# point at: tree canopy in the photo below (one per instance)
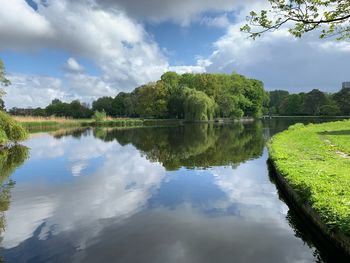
(312, 103)
(302, 16)
(195, 97)
(202, 145)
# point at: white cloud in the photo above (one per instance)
(21, 25)
(221, 21)
(31, 90)
(332, 46)
(108, 34)
(118, 188)
(115, 43)
(73, 65)
(280, 60)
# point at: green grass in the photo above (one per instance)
(38, 125)
(118, 123)
(314, 161)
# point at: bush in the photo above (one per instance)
(99, 116)
(10, 129)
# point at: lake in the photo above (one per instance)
(192, 193)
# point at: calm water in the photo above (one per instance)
(195, 193)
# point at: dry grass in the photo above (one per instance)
(60, 119)
(41, 119)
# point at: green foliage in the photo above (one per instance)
(276, 99)
(330, 109)
(3, 80)
(291, 105)
(120, 123)
(10, 159)
(193, 145)
(104, 104)
(303, 16)
(313, 103)
(11, 130)
(314, 161)
(343, 100)
(233, 95)
(152, 100)
(62, 109)
(220, 96)
(198, 106)
(99, 116)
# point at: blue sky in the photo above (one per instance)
(85, 49)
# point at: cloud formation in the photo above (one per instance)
(182, 12)
(111, 35)
(117, 44)
(73, 66)
(118, 188)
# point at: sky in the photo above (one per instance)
(85, 49)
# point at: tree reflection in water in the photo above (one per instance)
(10, 159)
(193, 146)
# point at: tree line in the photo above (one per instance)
(194, 97)
(313, 103)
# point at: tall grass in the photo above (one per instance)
(35, 123)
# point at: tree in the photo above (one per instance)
(3, 82)
(342, 99)
(171, 80)
(254, 92)
(104, 104)
(291, 105)
(314, 100)
(198, 106)
(99, 116)
(330, 109)
(229, 107)
(39, 112)
(303, 16)
(118, 104)
(77, 110)
(2, 104)
(276, 98)
(151, 100)
(58, 108)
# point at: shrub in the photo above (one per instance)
(13, 130)
(99, 116)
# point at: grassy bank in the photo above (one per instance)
(315, 161)
(35, 123)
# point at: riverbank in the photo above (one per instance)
(38, 123)
(312, 165)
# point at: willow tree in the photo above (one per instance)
(10, 129)
(301, 16)
(198, 106)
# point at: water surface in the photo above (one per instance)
(193, 193)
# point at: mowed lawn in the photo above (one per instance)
(315, 161)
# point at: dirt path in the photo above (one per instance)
(340, 153)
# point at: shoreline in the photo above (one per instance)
(313, 176)
(335, 240)
(129, 122)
